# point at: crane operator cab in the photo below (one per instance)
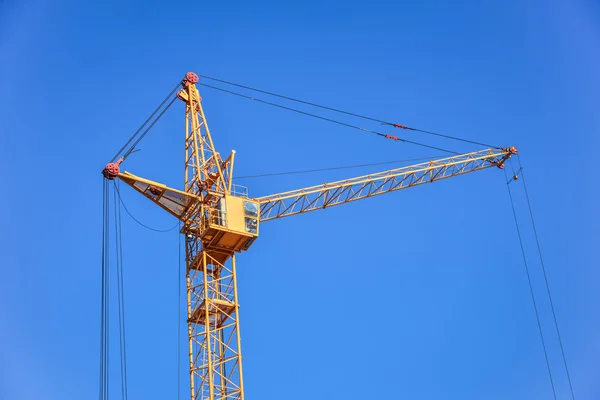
(232, 224)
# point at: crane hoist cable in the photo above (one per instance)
(179, 280)
(104, 310)
(328, 119)
(545, 278)
(516, 174)
(395, 125)
(332, 168)
(120, 293)
(535, 308)
(105, 318)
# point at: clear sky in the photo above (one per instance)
(419, 294)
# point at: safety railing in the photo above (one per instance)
(239, 191)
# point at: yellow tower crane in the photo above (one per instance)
(219, 219)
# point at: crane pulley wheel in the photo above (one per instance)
(191, 77)
(112, 170)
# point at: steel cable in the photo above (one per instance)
(546, 280)
(347, 113)
(179, 314)
(145, 122)
(136, 220)
(537, 315)
(103, 253)
(331, 168)
(325, 119)
(132, 148)
(104, 308)
(120, 294)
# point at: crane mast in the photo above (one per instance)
(212, 299)
(219, 220)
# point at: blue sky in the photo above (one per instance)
(419, 294)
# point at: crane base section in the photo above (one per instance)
(213, 324)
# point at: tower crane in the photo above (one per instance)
(220, 220)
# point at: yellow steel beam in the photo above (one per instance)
(335, 193)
